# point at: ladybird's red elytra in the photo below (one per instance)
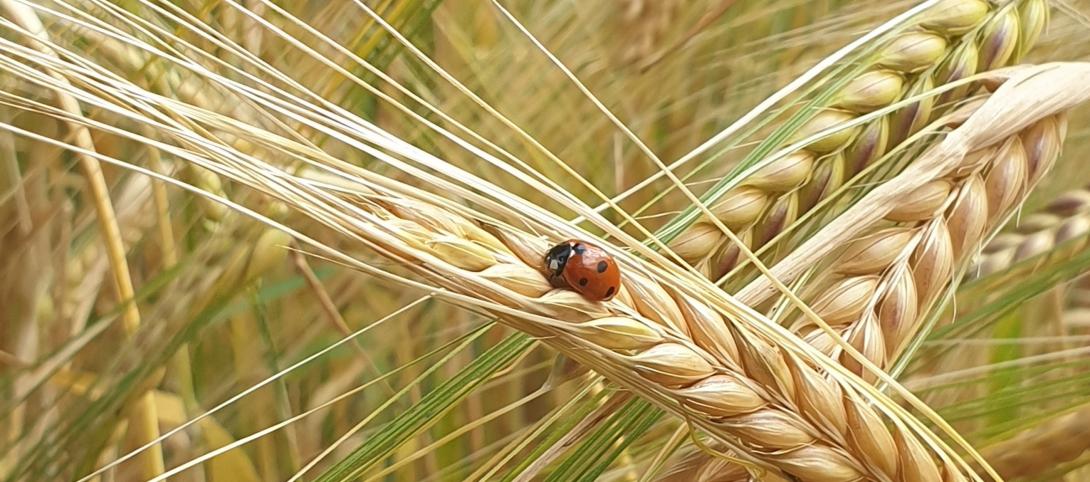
(584, 268)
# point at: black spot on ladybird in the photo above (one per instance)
(602, 265)
(582, 281)
(609, 292)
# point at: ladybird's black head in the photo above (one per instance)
(556, 259)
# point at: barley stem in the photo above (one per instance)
(143, 421)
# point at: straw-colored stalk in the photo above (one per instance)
(1063, 223)
(143, 421)
(885, 281)
(158, 77)
(954, 40)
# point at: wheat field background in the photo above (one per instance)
(257, 240)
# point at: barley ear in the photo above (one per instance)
(951, 41)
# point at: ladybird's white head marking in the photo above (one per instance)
(556, 258)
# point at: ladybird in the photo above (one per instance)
(585, 268)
